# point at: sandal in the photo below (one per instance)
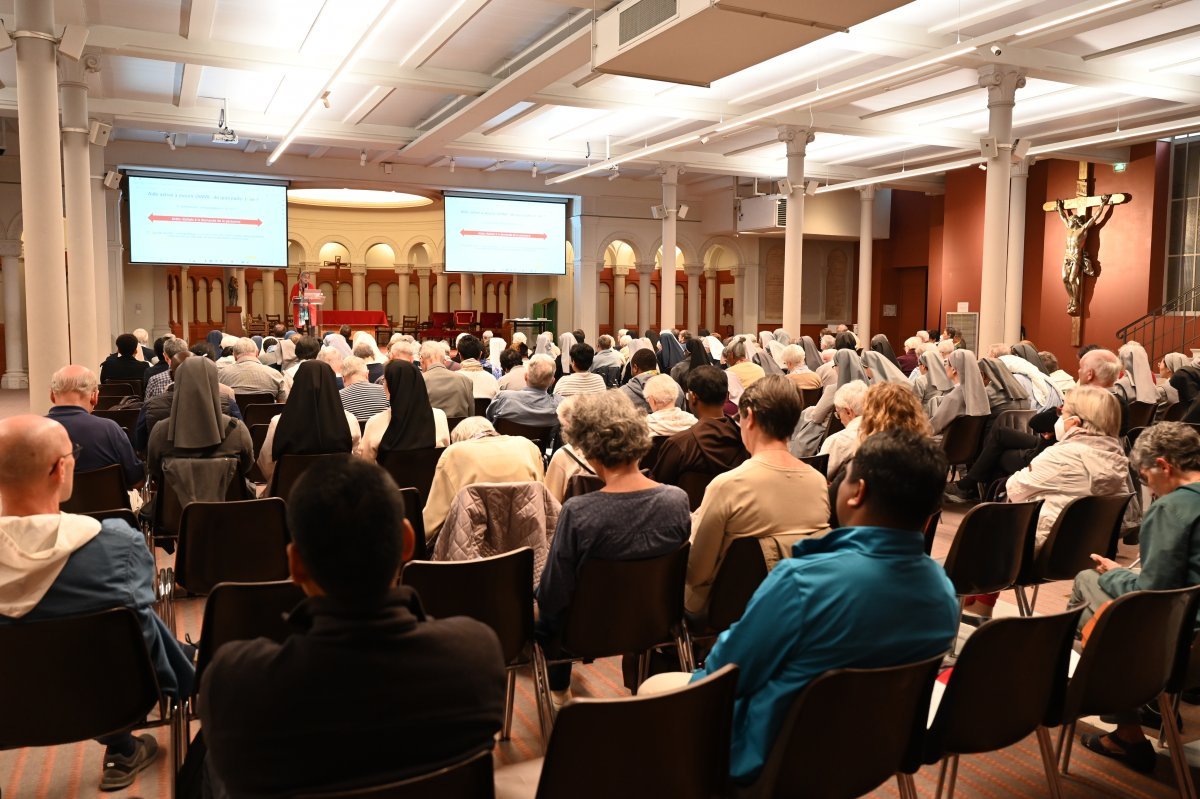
(1139, 756)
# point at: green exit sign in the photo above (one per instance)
(1119, 166)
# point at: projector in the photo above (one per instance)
(225, 136)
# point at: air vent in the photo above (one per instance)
(781, 213)
(644, 15)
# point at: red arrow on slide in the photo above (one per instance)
(212, 220)
(511, 234)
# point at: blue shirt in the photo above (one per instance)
(103, 441)
(860, 597)
(530, 406)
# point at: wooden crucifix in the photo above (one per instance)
(336, 263)
(1079, 221)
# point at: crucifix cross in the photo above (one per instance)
(1079, 220)
(336, 263)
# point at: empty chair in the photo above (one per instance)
(872, 724)
(1007, 683)
(1141, 414)
(674, 743)
(1086, 525)
(249, 398)
(262, 413)
(693, 484)
(542, 436)
(497, 591)
(413, 468)
(742, 570)
(96, 490)
(240, 542)
(289, 468)
(468, 779)
(962, 439)
(241, 611)
(986, 555)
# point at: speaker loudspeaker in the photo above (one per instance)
(72, 42)
(112, 180)
(988, 147)
(99, 132)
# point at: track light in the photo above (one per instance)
(325, 99)
(616, 173)
(451, 166)
(362, 158)
(170, 141)
(533, 171)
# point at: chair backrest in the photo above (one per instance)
(694, 484)
(1014, 420)
(453, 422)
(491, 319)
(98, 489)
(124, 514)
(232, 542)
(1011, 672)
(412, 468)
(120, 388)
(472, 778)
(71, 679)
(930, 532)
(258, 437)
(244, 401)
(818, 462)
(986, 554)
(289, 468)
(895, 699)
(622, 606)
(110, 402)
(651, 455)
(464, 318)
(168, 507)
(497, 591)
(542, 436)
(582, 483)
(125, 417)
(1141, 414)
(811, 396)
(611, 375)
(261, 413)
(670, 744)
(1086, 525)
(242, 611)
(440, 318)
(742, 570)
(962, 439)
(481, 405)
(414, 505)
(1175, 412)
(1131, 652)
(1131, 437)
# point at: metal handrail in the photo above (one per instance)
(1167, 326)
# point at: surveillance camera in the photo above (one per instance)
(995, 49)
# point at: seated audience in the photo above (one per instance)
(409, 422)
(931, 381)
(881, 369)
(73, 395)
(1167, 457)
(159, 408)
(665, 418)
(967, 398)
(696, 356)
(144, 351)
(733, 505)
(531, 405)
(632, 517)
(809, 615)
(670, 351)
(712, 445)
(606, 355)
(1182, 375)
(848, 405)
(907, 361)
(740, 365)
(249, 376)
(512, 370)
(483, 381)
(1136, 383)
(123, 364)
(158, 384)
(881, 345)
(452, 392)
(1060, 379)
(795, 361)
(368, 690)
(332, 358)
(312, 423)
(1044, 393)
(478, 454)
(566, 461)
(360, 397)
(846, 366)
(643, 365)
(581, 379)
(306, 348)
(159, 364)
(1004, 391)
(56, 564)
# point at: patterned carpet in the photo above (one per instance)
(68, 772)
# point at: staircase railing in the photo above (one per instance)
(1173, 327)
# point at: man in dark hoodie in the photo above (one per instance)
(643, 365)
(711, 446)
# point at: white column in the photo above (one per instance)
(586, 290)
(358, 287)
(618, 317)
(1014, 281)
(797, 140)
(116, 265)
(693, 295)
(77, 191)
(41, 196)
(1002, 83)
(478, 299)
(667, 266)
(502, 299)
(866, 232)
(423, 307)
(268, 301)
(710, 300)
(15, 372)
(465, 294)
(402, 273)
(99, 234)
(739, 299)
(160, 307)
(645, 273)
(441, 289)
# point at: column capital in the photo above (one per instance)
(737, 271)
(422, 270)
(620, 270)
(91, 62)
(646, 268)
(693, 269)
(796, 138)
(10, 247)
(669, 172)
(1002, 82)
(437, 269)
(866, 193)
(403, 269)
(1020, 168)
(710, 273)
(358, 269)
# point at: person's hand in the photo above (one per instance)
(1104, 564)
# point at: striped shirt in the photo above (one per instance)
(580, 383)
(364, 399)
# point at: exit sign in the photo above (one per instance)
(1119, 166)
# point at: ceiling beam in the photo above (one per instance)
(1143, 44)
(1118, 75)
(440, 36)
(189, 86)
(196, 19)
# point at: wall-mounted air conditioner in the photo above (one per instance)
(764, 214)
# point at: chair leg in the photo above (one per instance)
(1032, 602)
(177, 731)
(1048, 762)
(953, 776)
(942, 777)
(506, 728)
(904, 782)
(1022, 604)
(1183, 772)
(541, 679)
(1066, 739)
(687, 660)
(643, 670)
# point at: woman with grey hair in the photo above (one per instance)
(631, 518)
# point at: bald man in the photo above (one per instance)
(56, 564)
(1101, 368)
(74, 391)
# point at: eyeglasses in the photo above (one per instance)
(74, 453)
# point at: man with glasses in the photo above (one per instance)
(1167, 458)
(74, 390)
(56, 564)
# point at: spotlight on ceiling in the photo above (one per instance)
(616, 173)
(170, 141)
(533, 171)
(362, 158)
(325, 99)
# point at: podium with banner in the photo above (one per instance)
(306, 309)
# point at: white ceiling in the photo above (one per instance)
(509, 81)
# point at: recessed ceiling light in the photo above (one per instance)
(356, 198)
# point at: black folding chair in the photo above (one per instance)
(471, 778)
(96, 490)
(261, 413)
(289, 468)
(481, 404)
(231, 542)
(412, 468)
(742, 570)
(962, 440)
(694, 485)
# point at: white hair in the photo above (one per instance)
(923, 335)
(141, 335)
(353, 366)
(851, 397)
(472, 427)
(911, 343)
(792, 355)
(827, 355)
(243, 346)
(432, 351)
(946, 346)
(81, 380)
(827, 342)
(662, 389)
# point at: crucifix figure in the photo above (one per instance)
(336, 263)
(1079, 221)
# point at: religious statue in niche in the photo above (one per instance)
(233, 291)
(1079, 220)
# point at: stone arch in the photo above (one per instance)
(374, 240)
(620, 253)
(625, 236)
(712, 249)
(15, 227)
(683, 245)
(304, 244)
(423, 244)
(335, 238)
(379, 255)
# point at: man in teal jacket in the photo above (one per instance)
(1167, 456)
(863, 596)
